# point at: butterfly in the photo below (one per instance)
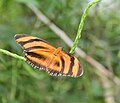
(41, 54)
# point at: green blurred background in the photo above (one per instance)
(19, 83)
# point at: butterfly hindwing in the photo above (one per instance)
(45, 60)
(38, 58)
(70, 65)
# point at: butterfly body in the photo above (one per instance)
(41, 54)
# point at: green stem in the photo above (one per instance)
(13, 82)
(81, 25)
(11, 54)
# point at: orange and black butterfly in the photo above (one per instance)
(40, 54)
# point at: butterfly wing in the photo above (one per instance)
(54, 66)
(38, 58)
(29, 43)
(65, 64)
(70, 65)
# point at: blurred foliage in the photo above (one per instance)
(19, 83)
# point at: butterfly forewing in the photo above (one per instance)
(29, 42)
(39, 53)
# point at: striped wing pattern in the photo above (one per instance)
(40, 54)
